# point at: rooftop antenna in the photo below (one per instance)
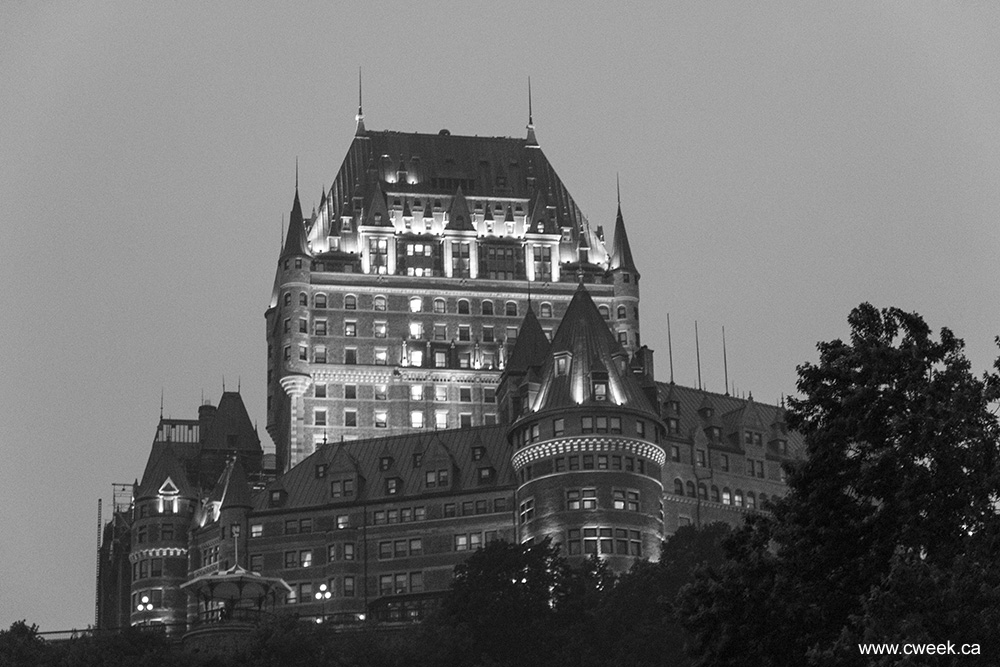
(697, 352)
(618, 185)
(725, 364)
(161, 402)
(223, 383)
(239, 381)
(296, 173)
(361, 114)
(281, 239)
(529, 295)
(203, 396)
(530, 140)
(670, 350)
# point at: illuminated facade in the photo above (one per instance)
(396, 303)
(454, 356)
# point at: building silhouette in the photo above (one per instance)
(454, 356)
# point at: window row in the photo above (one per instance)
(147, 567)
(474, 541)
(588, 425)
(604, 541)
(417, 304)
(417, 392)
(754, 468)
(303, 592)
(389, 549)
(473, 507)
(166, 533)
(400, 515)
(380, 419)
(724, 496)
(586, 499)
(575, 462)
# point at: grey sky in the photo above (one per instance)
(780, 163)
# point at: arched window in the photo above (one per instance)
(738, 498)
(715, 494)
(350, 302)
(288, 298)
(416, 304)
(545, 310)
(678, 487)
(303, 299)
(463, 307)
(510, 308)
(690, 489)
(320, 301)
(622, 312)
(751, 500)
(727, 498)
(487, 307)
(605, 312)
(439, 305)
(702, 491)
(379, 303)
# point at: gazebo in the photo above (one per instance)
(229, 604)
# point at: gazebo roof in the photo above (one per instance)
(235, 584)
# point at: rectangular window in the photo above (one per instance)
(291, 559)
(305, 558)
(349, 586)
(381, 419)
(381, 356)
(527, 510)
(350, 356)
(256, 563)
(350, 391)
(416, 419)
(350, 418)
(349, 551)
(350, 328)
(343, 521)
(488, 335)
(257, 530)
(320, 326)
(417, 392)
(587, 425)
(381, 392)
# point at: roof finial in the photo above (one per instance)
(618, 187)
(531, 120)
(239, 380)
(670, 350)
(223, 383)
(697, 352)
(296, 174)
(161, 402)
(531, 140)
(360, 118)
(725, 364)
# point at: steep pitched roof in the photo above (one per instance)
(459, 219)
(377, 214)
(163, 465)
(295, 239)
(621, 252)
(231, 428)
(591, 354)
(236, 489)
(452, 449)
(532, 346)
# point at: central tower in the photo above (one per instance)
(396, 303)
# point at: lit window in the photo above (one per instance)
(381, 391)
(441, 419)
(381, 419)
(416, 304)
(305, 558)
(416, 358)
(380, 329)
(381, 356)
(379, 303)
(350, 329)
(416, 419)
(439, 305)
(416, 330)
(527, 510)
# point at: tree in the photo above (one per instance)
(900, 481)
(22, 645)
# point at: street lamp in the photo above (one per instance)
(146, 606)
(323, 594)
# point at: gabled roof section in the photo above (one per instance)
(592, 356)
(377, 214)
(459, 219)
(163, 465)
(532, 346)
(231, 428)
(295, 239)
(451, 449)
(621, 252)
(236, 488)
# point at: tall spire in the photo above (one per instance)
(621, 251)
(360, 118)
(295, 240)
(531, 141)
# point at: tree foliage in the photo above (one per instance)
(900, 484)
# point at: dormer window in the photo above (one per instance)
(562, 364)
(385, 463)
(277, 498)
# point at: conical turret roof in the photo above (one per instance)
(532, 346)
(236, 488)
(591, 356)
(621, 252)
(458, 215)
(164, 465)
(295, 239)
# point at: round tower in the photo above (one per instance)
(586, 448)
(625, 278)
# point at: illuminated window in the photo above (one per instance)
(381, 392)
(381, 419)
(350, 328)
(416, 304)
(416, 358)
(416, 330)
(381, 356)
(417, 392)
(380, 329)
(416, 419)
(440, 393)
(439, 305)
(379, 303)
(441, 419)
(727, 497)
